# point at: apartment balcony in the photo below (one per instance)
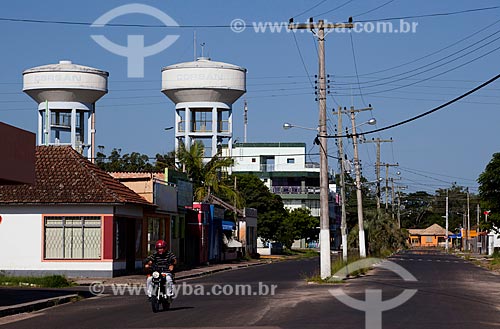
(295, 190)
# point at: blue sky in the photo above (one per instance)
(400, 74)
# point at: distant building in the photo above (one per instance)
(286, 171)
(433, 236)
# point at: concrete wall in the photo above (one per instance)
(247, 158)
(21, 251)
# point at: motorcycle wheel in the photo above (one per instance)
(155, 305)
(166, 304)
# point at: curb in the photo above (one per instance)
(37, 305)
(178, 277)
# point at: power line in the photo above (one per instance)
(434, 62)
(190, 26)
(430, 15)
(309, 9)
(356, 69)
(302, 60)
(428, 55)
(372, 10)
(425, 113)
(431, 77)
(338, 7)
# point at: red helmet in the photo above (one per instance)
(161, 246)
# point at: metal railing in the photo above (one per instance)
(295, 189)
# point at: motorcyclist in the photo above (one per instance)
(163, 261)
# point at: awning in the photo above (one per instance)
(228, 225)
(234, 244)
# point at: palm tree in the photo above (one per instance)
(206, 177)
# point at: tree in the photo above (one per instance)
(207, 177)
(270, 209)
(489, 191)
(298, 224)
(133, 162)
(417, 207)
(384, 236)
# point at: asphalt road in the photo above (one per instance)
(448, 293)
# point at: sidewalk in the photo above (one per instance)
(140, 279)
(15, 300)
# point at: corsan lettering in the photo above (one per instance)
(57, 78)
(199, 76)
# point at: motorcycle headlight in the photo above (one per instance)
(156, 275)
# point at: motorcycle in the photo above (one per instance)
(162, 291)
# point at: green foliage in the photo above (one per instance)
(51, 281)
(489, 190)
(207, 177)
(384, 236)
(297, 224)
(270, 208)
(133, 162)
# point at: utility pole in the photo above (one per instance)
(359, 196)
(468, 220)
(377, 166)
(324, 236)
(399, 204)
(245, 120)
(446, 220)
(392, 197)
(343, 224)
(387, 165)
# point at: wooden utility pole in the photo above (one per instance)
(377, 166)
(387, 165)
(324, 236)
(359, 196)
(343, 223)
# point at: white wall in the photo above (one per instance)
(243, 158)
(21, 244)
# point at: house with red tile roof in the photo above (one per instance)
(74, 220)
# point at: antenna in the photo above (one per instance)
(245, 116)
(194, 45)
(202, 49)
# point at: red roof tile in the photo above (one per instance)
(62, 175)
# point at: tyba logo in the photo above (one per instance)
(373, 305)
(135, 51)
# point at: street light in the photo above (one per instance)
(287, 126)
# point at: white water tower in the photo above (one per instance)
(66, 94)
(203, 92)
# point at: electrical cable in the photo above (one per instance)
(432, 63)
(456, 99)
(356, 69)
(372, 10)
(428, 55)
(309, 9)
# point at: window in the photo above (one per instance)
(72, 237)
(428, 239)
(290, 160)
(253, 160)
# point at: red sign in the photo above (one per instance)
(487, 212)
